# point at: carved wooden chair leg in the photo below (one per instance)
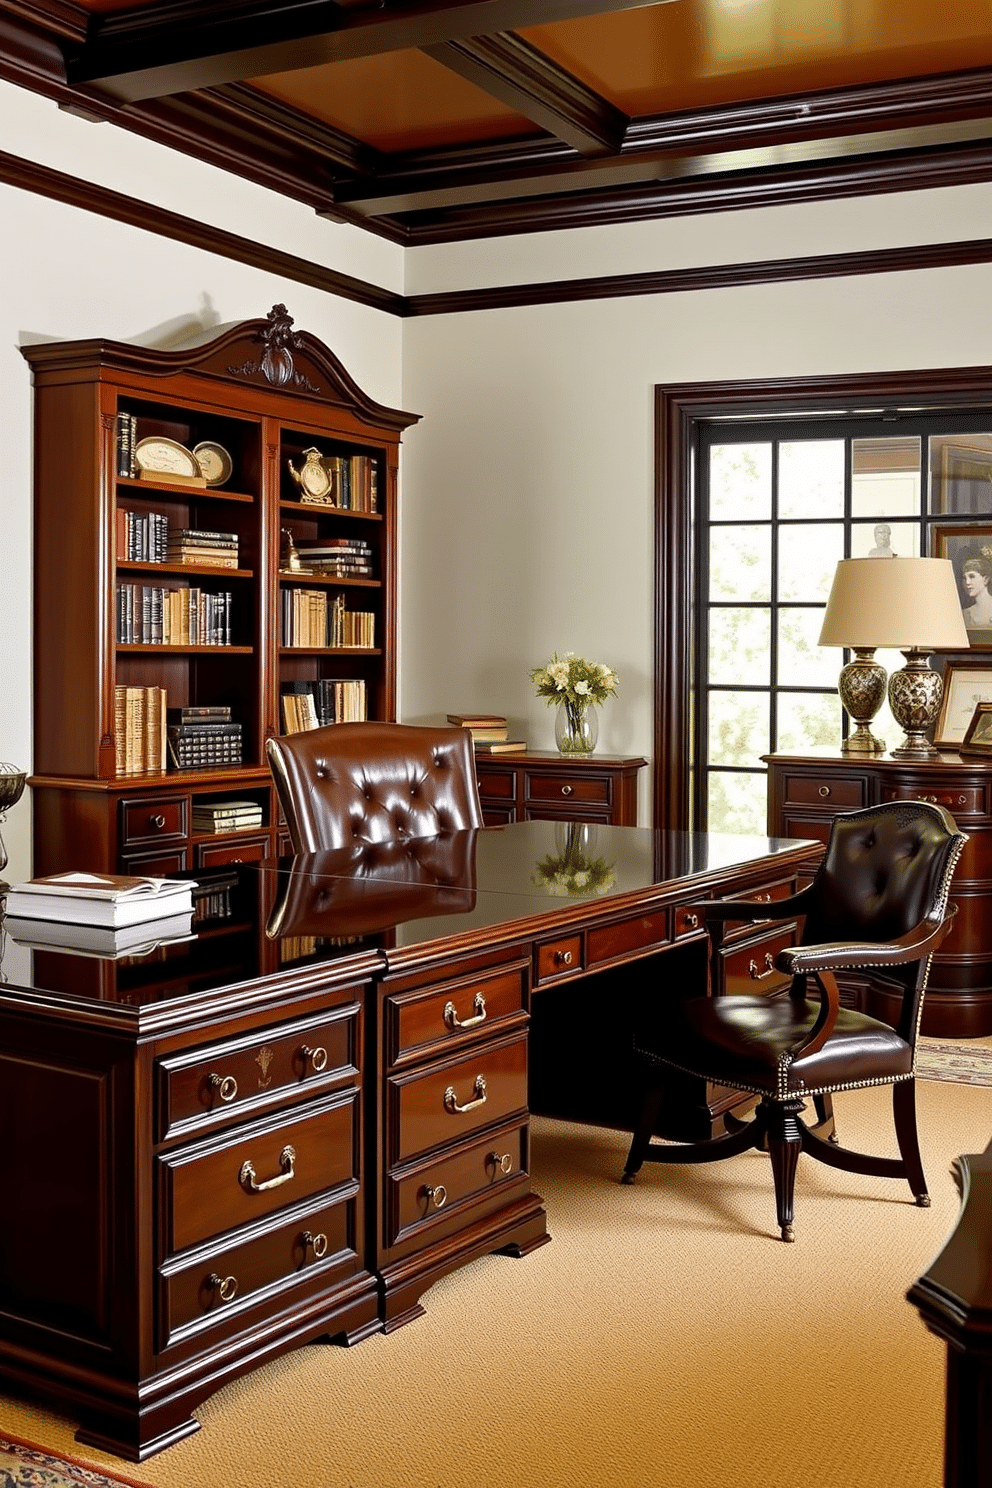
(643, 1132)
(785, 1142)
(904, 1114)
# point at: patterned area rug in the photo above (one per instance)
(968, 1064)
(23, 1465)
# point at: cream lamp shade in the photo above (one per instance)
(911, 604)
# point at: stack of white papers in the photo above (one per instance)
(100, 940)
(99, 899)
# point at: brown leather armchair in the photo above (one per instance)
(878, 904)
(374, 782)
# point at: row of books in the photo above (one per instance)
(185, 616)
(142, 537)
(203, 738)
(140, 725)
(127, 441)
(307, 705)
(490, 733)
(336, 557)
(310, 617)
(354, 482)
(213, 817)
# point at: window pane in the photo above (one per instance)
(802, 661)
(810, 719)
(740, 482)
(738, 727)
(885, 477)
(811, 478)
(740, 645)
(737, 802)
(873, 540)
(961, 473)
(807, 560)
(740, 563)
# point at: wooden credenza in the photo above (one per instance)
(805, 793)
(555, 787)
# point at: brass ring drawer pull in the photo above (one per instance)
(437, 1196)
(566, 790)
(316, 1057)
(317, 1243)
(226, 1086)
(824, 791)
(246, 1177)
(563, 958)
(452, 1019)
(226, 1287)
(451, 1100)
(759, 976)
(690, 922)
(502, 1162)
(157, 821)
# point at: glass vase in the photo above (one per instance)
(576, 728)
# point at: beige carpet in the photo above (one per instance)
(664, 1340)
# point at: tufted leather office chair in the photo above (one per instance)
(374, 782)
(878, 904)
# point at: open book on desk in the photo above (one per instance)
(100, 940)
(100, 898)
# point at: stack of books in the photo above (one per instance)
(337, 557)
(203, 738)
(101, 914)
(490, 734)
(190, 545)
(226, 816)
(140, 730)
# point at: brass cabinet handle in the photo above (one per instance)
(759, 976)
(226, 1086)
(317, 1057)
(691, 921)
(317, 1243)
(438, 1196)
(566, 790)
(824, 791)
(563, 958)
(157, 821)
(452, 1019)
(247, 1179)
(502, 1162)
(226, 1287)
(451, 1100)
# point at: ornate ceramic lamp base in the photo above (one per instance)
(862, 690)
(914, 697)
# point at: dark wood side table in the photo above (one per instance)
(555, 787)
(805, 793)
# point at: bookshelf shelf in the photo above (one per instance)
(226, 391)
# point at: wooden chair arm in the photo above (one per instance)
(714, 911)
(913, 946)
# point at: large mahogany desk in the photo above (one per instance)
(291, 1125)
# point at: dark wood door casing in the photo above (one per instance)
(679, 411)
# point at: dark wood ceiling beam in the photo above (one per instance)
(174, 47)
(509, 68)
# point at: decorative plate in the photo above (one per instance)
(160, 454)
(215, 463)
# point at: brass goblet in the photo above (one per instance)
(11, 787)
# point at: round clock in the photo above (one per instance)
(160, 454)
(313, 477)
(215, 463)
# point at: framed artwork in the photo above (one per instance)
(966, 688)
(965, 477)
(970, 551)
(978, 736)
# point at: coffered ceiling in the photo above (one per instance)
(428, 121)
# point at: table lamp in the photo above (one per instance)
(909, 603)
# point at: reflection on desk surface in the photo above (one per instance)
(349, 908)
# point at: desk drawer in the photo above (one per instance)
(213, 1288)
(831, 791)
(205, 1085)
(447, 1102)
(499, 783)
(568, 788)
(209, 1188)
(458, 1011)
(558, 958)
(434, 1190)
(967, 802)
(751, 968)
(152, 819)
(247, 850)
(641, 933)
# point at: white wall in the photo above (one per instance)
(67, 273)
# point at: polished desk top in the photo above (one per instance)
(348, 913)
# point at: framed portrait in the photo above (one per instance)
(965, 475)
(966, 688)
(970, 551)
(978, 735)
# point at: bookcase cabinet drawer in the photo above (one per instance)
(153, 819)
(832, 792)
(247, 850)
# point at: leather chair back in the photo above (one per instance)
(374, 782)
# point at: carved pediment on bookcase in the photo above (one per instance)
(269, 353)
